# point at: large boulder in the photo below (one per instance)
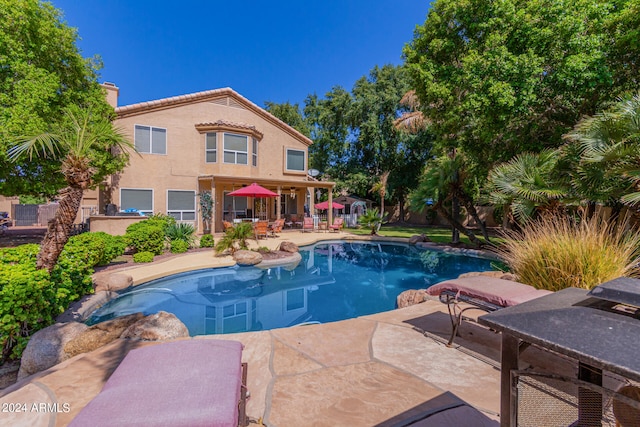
(287, 246)
(243, 257)
(418, 238)
(111, 281)
(411, 297)
(101, 334)
(46, 347)
(157, 327)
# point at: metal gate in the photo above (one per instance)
(25, 215)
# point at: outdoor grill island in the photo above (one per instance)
(598, 330)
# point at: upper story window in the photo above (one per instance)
(211, 148)
(295, 160)
(151, 140)
(255, 152)
(236, 149)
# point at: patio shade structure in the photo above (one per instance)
(325, 205)
(253, 190)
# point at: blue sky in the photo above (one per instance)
(280, 50)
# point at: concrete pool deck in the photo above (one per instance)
(372, 370)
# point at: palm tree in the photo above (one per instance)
(525, 184)
(380, 187)
(89, 148)
(372, 219)
(412, 121)
(609, 145)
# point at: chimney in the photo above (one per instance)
(111, 93)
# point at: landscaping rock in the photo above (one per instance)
(46, 347)
(289, 262)
(411, 297)
(418, 238)
(157, 327)
(80, 310)
(287, 246)
(497, 274)
(101, 334)
(243, 257)
(111, 281)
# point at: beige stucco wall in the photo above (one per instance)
(6, 202)
(184, 161)
(114, 225)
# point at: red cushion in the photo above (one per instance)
(504, 293)
(186, 383)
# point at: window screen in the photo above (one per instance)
(295, 160)
(141, 200)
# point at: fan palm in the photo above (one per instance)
(610, 151)
(380, 187)
(89, 148)
(526, 183)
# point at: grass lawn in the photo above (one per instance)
(436, 234)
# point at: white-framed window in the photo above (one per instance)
(254, 152)
(140, 199)
(295, 160)
(235, 318)
(236, 149)
(181, 204)
(150, 140)
(211, 148)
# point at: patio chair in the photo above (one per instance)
(227, 225)
(480, 293)
(276, 227)
(260, 229)
(337, 224)
(183, 383)
(307, 224)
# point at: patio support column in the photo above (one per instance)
(312, 200)
(279, 202)
(330, 210)
(218, 208)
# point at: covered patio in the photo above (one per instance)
(292, 197)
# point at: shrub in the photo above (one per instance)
(235, 238)
(206, 241)
(179, 247)
(372, 219)
(146, 236)
(143, 257)
(160, 220)
(181, 231)
(556, 252)
(114, 246)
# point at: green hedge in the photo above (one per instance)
(143, 257)
(206, 241)
(146, 236)
(179, 246)
(30, 299)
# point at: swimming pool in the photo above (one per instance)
(335, 280)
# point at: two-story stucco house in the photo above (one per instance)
(214, 141)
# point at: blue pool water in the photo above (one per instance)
(334, 281)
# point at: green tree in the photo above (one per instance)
(527, 183)
(608, 144)
(87, 148)
(499, 78)
(291, 114)
(41, 73)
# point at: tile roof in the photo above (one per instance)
(142, 107)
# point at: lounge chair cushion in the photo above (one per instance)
(184, 383)
(503, 293)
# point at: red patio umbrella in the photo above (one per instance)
(253, 190)
(325, 205)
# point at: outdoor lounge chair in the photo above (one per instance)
(260, 229)
(307, 224)
(480, 293)
(227, 225)
(276, 227)
(186, 383)
(337, 224)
